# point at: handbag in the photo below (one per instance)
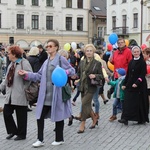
(66, 90)
(32, 90)
(96, 82)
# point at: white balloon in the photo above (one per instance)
(74, 45)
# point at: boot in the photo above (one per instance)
(95, 120)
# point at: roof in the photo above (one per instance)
(98, 8)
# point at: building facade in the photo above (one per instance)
(31, 22)
(129, 19)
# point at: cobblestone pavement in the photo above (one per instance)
(106, 136)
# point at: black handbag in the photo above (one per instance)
(96, 82)
(66, 90)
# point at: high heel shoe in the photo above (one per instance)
(80, 131)
(70, 120)
(93, 126)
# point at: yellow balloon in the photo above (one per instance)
(127, 42)
(67, 47)
(110, 66)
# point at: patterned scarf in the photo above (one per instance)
(10, 75)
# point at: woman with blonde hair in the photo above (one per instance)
(89, 68)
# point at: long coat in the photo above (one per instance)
(59, 109)
(16, 91)
(136, 104)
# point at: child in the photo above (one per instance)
(118, 92)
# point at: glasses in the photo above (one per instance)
(49, 46)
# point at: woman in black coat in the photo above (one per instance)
(136, 104)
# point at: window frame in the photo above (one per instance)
(135, 20)
(0, 20)
(114, 22)
(35, 2)
(20, 2)
(35, 22)
(80, 3)
(20, 21)
(68, 3)
(69, 23)
(49, 22)
(49, 3)
(79, 24)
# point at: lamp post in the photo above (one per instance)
(141, 21)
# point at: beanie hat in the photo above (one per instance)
(121, 71)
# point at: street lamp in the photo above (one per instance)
(141, 21)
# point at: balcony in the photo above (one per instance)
(122, 31)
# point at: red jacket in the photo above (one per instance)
(121, 59)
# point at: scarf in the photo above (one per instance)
(10, 75)
(85, 69)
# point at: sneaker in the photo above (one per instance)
(112, 118)
(57, 143)
(38, 144)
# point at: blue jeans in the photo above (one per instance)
(96, 101)
(117, 103)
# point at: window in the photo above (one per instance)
(124, 20)
(80, 24)
(20, 2)
(100, 31)
(114, 22)
(35, 2)
(68, 23)
(80, 3)
(124, 1)
(35, 21)
(135, 20)
(20, 21)
(49, 3)
(49, 22)
(68, 3)
(113, 1)
(0, 20)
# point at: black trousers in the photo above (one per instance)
(20, 128)
(59, 126)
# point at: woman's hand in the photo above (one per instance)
(22, 72)
(92, 76)
(123, 87)
(134, 85)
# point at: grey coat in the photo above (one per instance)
(16, 91)
(59, 109)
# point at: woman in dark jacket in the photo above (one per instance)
(89, 68)
(136, 104)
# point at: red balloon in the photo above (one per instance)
(109, 47)
(143, 46)
(148, 69)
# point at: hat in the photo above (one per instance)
(121, 71)
(33, 51)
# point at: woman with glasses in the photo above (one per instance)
(50, 104)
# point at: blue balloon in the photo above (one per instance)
(113, 38)
(59, 77)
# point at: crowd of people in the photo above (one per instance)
(129, 82)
